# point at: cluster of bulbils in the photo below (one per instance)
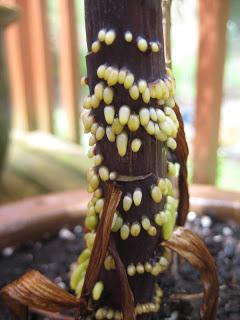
(159, 121)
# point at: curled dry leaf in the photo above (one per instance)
(126, 292)
(113, 196)
(35, 291)
(182, 155)
(192, 248)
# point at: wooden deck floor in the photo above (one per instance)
(38, 163)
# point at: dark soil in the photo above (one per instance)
(53, 255)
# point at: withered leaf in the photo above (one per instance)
(35, 291)
(126, 292)
(182, 155)
(192, 248)
(113, 196)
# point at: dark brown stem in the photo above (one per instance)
(143, 18)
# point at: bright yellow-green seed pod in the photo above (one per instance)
(161, 136)
(146, 224)
(116, 126)
(110, 135)
(140, 268)
(160, 116)
(100, 314)
(150, 128)
(129, 80)
(109, 113)
(98, 90)
(97, 290)
(133, 122)
(94, 182)
(142, 85)
(152, 89)
(87, 122)
(156, 194)
(153, 114)
(163, 262)
(77, 274)
(155, 47)
(110, 37)
(109, 263)
(131, 270)
(160, 218)
(99, 205)
(96, 46)
(156, 269)
(127, 202)
(135, 229)
(89, 238)
(124, 232)
(170, 103)
(136, 145)
(148, 267)
(85, 255)
(122, 76)
(146, 95)
(122, 142)
(113, 77)
(92, 140)
(152, 231)
(101, 70)
(107, 73)
(101, 35)
(98, 159)
(166, 126)
(118, 223)
(94, 102)
(172, 169)
(144, 115)
(100, 133)
(168, 226)
(94, 127)
(108, 95)
(128, 36)
(124, 114)
(98, 193)
(87, 103)
(109, 314)
(113, 175)
(142, 44)
(171, 143)
(91, 222)
(134, 92)
(103, 173)
(137, 197)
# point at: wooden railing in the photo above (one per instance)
(31, 67)
(31, 75)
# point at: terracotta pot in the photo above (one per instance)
(8, 14)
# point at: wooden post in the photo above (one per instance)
(18, 57)
(213, 20)
(41, 64)
(69, 67)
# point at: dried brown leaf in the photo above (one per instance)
(126, 292)
(35, 291)
(192, 248)
(113, 196)
(182, 155)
